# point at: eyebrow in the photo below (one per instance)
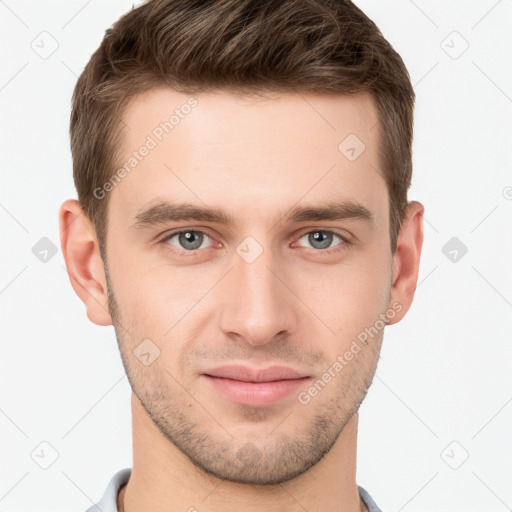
(167, 211)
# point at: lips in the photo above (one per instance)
(244, 374)
(255, 387)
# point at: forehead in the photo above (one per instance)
(242, 153)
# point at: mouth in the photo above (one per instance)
(255, 387)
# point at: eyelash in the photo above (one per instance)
(340, 247)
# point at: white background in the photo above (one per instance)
(444, 375)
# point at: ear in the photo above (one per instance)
(83, 261)
(406, 260)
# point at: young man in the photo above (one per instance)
(242, 171)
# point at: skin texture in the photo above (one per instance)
(297, 304)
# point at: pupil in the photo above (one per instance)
(322, 238)
(190, 240)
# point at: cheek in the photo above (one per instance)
(348, 297)
(153, 295)
(139, 291)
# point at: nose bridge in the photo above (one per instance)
(258, 306)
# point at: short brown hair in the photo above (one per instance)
(324, 46)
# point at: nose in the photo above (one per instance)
(258, 304)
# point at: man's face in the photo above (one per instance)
(264, 291)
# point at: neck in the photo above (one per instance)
(164, 479)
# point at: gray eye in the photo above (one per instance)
(320, 239)
(189, 240)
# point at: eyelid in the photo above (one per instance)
(346, 240)
(165, 238)
(343, 236)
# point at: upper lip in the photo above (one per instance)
(242, 373)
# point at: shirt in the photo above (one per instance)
(108, 502)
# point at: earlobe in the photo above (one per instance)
(83, 261)
(406, 260)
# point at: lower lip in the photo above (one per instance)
(255, 393)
